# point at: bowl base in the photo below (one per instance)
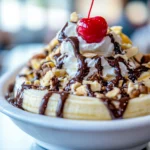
(56, 147)
(50, 146)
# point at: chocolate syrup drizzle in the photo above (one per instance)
(59, 61)
(116, 112)
(83, 68)
(19, 97)
(44, 103)
(10, 95)
(18, 101)
(62, 35)
(99, 66)
(60, 106)
(55, 84)
(135, 74)
(117, 49)
(89, 91)
(22, 75)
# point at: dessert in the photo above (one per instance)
(89, 71)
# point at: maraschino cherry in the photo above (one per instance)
(92, 30)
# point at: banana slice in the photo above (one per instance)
(82, 107)
(76, 107)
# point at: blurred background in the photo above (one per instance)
(27, 25)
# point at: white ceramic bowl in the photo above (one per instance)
(57, 133)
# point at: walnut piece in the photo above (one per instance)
(74, 17)
(95, 86)
(113, 93)
(81, 91)
(45, 81)
(75, 86)
(117, 29)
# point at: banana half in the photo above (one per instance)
(81, 107)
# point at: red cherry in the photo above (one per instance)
(92, 30)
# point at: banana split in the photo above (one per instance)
(89, 71)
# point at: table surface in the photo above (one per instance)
(12, 138)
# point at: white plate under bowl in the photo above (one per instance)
(58, 133)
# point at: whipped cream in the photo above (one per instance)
(103, 48)
(70, 30)
(70, 62)
(91, 64)
(107, 69)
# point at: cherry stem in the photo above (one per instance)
(90, 8)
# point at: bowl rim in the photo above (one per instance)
(61, 123)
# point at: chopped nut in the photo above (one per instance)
(30, 76)
(36, 82)
(95, 86)
(75, 86)
(52, 54)
(144, 76)
(147, 65)
(39, 56)
(125, 39)
(145, 79)
(133, 51)
(59, 72)
(82, 91)
(138, 57)
(63, 82)
(45, 81)
(51, 64)
(48, 58)
(108, 30)
(28, 83)
(134, 93)
(143, 89)
(103, 88)
(45, 70)
(113, 93)
(126, 46)
(48, 64)
(35, 63)
(53, 43)
(99, 95)
(89, 55)
(74, 17)
(146, 58)
(117, 29)
(130, 87)
(120, 83)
